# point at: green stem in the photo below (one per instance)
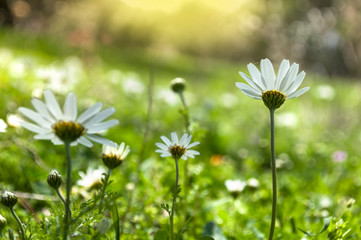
(186, 115)
(116, 222)
(61, 197)
(68, 191)
(105, 184)
(19, 223)
(274, 176)
(185, 165)
(175, 194)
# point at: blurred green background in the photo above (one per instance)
(106, 50)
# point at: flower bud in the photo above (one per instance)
(9, 199)
(2, 223)
(178, 85)
(54, 179)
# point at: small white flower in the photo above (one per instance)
(3, 126)
(92, 178)
(235, 185)
(53, 124)
(113, 156)
(13, 120)
(177, 149)
(271, 89)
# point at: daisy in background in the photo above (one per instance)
(273, 91)
(177, 149)
(49, 122)
(114, 156)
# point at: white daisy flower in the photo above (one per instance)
(235, 185)
(177, 149)
(50, 123)
(114, 156)
(92, 179)
(271, 89)
(3, 126)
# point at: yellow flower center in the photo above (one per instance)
(112, 160)
(177, 151)
(68, 131)
(273, 99)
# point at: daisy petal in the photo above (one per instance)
(256, 75)
(174, 138)
(183, 140)
(35, 117)
(33, 127)
(192, 145)
(100, 116)
(46, 136)
(101, 126)
(166, 141)
(250, 81)
(41, 108)
(166, 155)
(248, 89)
(289, 78)
(282, 71)
(296, 83)
(192, 152)
(162, 146)
(52, 104)
(70, 109)
(82, 140)
(298, 93)
(268, 73)
(100, 140)
(90, 112)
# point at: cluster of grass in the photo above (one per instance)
(317, 145)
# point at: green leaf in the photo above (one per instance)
(326, 224)
(212, 230)
(161, 235)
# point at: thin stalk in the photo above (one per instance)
(175, 194)
(105, 184)
(61, 197)
(185, 165)
(116, 222)
(68, 191)
(19, 223)
(186, 115)
(274, 176)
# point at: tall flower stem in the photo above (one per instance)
(175, 195)
(68, 191)
(185, 166)
(22, 232)
(274, 175)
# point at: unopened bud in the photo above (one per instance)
(54, 179)
(9, 199)
(178, 85)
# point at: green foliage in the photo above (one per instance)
(317, 146)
